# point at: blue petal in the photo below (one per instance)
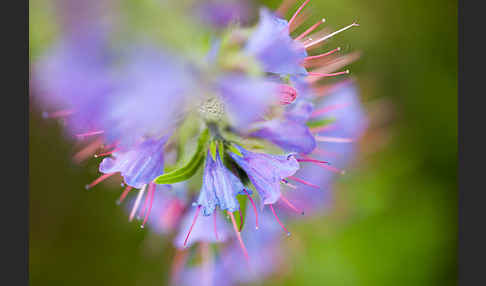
(274, 48)
(246, 99)
(266, 171)
(139, 165)
(290, 132)
(219, 188)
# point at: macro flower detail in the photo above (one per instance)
(204, 134)
(219, 187)
(139, 165)
(290, 132)
(266, 171)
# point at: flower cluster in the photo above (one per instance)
(221, 149)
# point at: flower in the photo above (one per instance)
(290, 132)
(174, 126)
(274, 48)
(266, 171)
(219, 187)
(139, 165)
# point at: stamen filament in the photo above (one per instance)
(290, 205)
(137, 202)
(330, 35)
(59, 113)
(304, 182)
(254, 209)
(151, 194)
(326, 109)
(192, 225)
(91, 133)
(312, 28)
(312, 160)
(327, 74)
(280, 223)
(297, 12)
(99, 180)
(333, 139)
(124, 195)
(322, 55)
(238, 235)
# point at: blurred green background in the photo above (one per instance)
(395, 217)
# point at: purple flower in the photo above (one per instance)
(266, 171)
(290, 132)
(139, 165)
(219, 187)
(271, 44)
(336, 144)
(73, 80)
(151, 98)
(246, 99)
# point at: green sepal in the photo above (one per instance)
(240, 215)
(190, 168)
(320, 123)
(212, 148)
(235, 150)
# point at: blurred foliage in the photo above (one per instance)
(394, 220)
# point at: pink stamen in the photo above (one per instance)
(59, 113)
(289, 184)
(254, 209)
(137, 202)
(87, 151)
(145, 203)
(276, 217)
(284, 6)
(323, 128)
(297, 12)
(192, 225)
(290, 205)
(312, 28)
(99, 180)
(327, 74)
(82, 135)
(329, 108)
(215, 227)
(333, 139)
(238, 235)
(151, 194)
(330, 35)
(323, 55)
(312, 160)
(304, 182)
(333, 169)
(124, 195)
(105, 153)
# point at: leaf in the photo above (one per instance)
(189, 169)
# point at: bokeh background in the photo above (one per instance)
(394, 221)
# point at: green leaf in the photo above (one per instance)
(320, 123)
(189, 169)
